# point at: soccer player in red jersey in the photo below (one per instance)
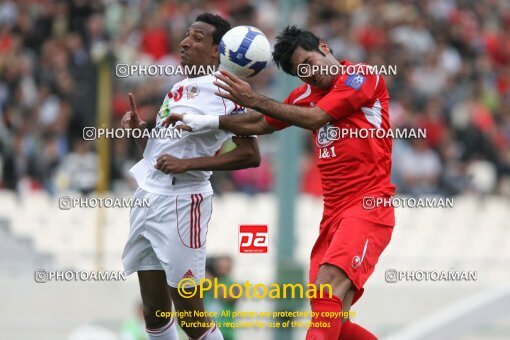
(351, 238)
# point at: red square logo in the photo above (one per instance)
(253, 238)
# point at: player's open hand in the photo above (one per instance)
(174, 118)
(238, 91)
(171, 165)
(131, 120)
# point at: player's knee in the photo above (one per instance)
(150, 315)
(334, 277)
(193, 304)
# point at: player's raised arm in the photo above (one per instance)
(242, 124)
(250, 123)
(241, 93)
(245, 155)
(131, 120)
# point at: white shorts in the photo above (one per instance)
(169, 235)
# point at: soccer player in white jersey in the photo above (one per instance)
(167, 239)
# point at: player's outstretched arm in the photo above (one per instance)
(245, 155)
(240, 92)
(245, 124)
(242, 124)
(131, 120)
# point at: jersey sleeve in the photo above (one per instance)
(349, 94)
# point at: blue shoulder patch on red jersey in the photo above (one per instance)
(355, 81)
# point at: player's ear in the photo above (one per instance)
(324, 48)
(215, 52)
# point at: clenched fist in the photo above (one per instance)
(171, 165)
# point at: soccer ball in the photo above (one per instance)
(244, 51)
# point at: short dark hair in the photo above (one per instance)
(221, 25)
(287, 42)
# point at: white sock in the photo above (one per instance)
(212, 334)
(167, 332)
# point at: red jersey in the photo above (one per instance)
(350, 168)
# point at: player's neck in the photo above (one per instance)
(194, 75)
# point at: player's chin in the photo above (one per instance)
(185, 60)
(325, 82)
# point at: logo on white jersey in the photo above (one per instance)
(192, 91)
(189, 274)
(238, 109)
(164, 111)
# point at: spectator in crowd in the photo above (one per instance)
(79, 169)
(420, 169)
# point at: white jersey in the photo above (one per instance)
(191, 95)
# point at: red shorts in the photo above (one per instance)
(353, 241)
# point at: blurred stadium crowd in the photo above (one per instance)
(453, 79)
